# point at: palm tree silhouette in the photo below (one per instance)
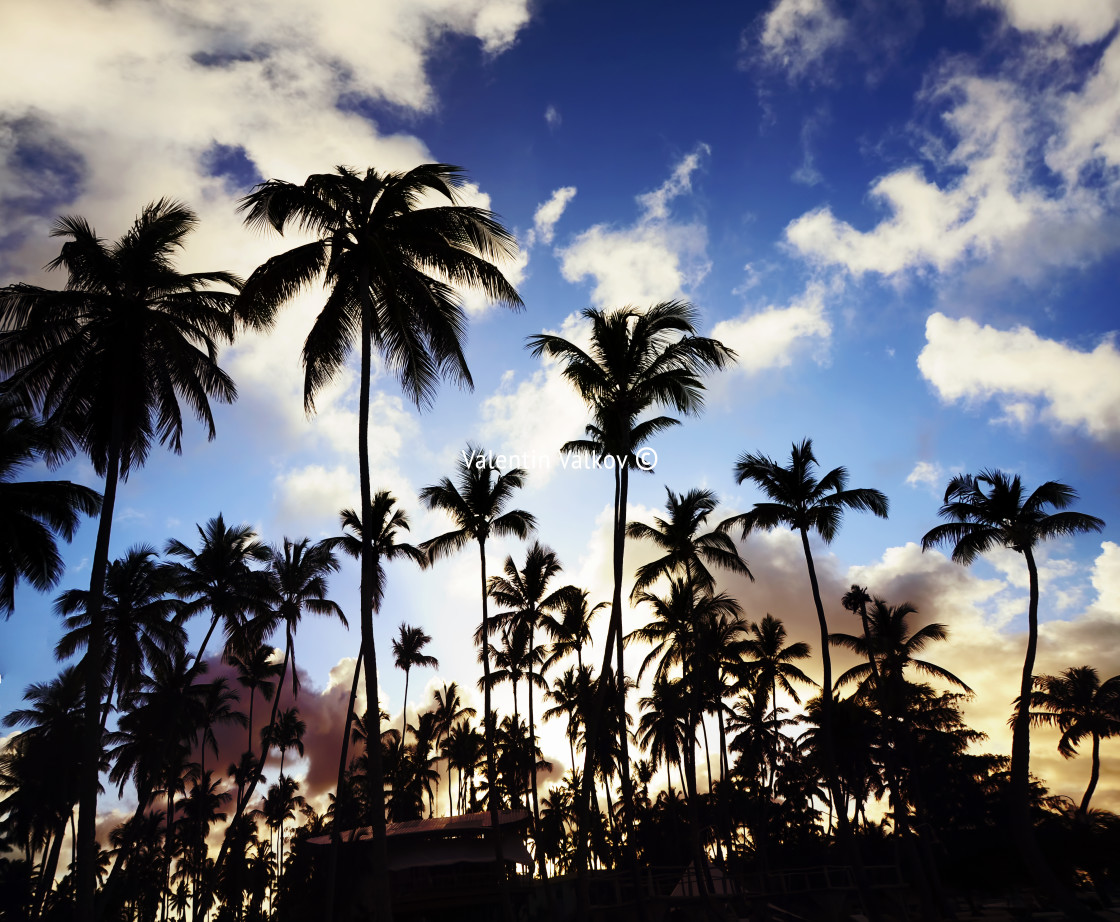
(408, 652)
(257, 672)
(393, 269)
(637, 362)
(570, 627)
(798, 500)
(219, 577)
(476, 502)
(525, 593)
(449, 709)
(989, 510)
(106, 360)
(33, 514)
(1079, 704)
(142, 621)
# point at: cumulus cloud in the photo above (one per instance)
(926, 474)
(797, 34)
(653, 259)
(773, 336)
(1031, 378)
(548, 213)
(1082, 21)
(980, 198)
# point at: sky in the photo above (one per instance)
(903, 216)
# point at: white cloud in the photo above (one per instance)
(1082, 20)
(548, 213)
(552, 117)
(1030, 377)
(992, 207)
(926, 474)
(771, 337)
(654, 259)
(798, 34)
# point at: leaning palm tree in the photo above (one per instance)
(1079, 704)
(107, 360)
(476, 502)
(990, 510)
(637, 362)
(33, 514)
(408, 651)
(798, 500)
(393, 268)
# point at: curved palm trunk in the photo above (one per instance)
(336, 837)
(1094, 775)
(404, 709)
(91, 745)
(491, 764)
(1022, 822)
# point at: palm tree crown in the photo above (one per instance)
(33, 514)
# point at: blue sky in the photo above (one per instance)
(903, 216)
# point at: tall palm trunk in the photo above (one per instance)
(404, 709)
(383, 900)
(1022, 823)
(491, 762)
(91, 744)
(336, 837)
(1094, 776)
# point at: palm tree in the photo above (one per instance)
(106, 360)
(218, 577)
(638, 361)
(798, 500)
(142, 621)
(464, 749)
(393, 268)
(525, 593)
(686, 552)
(989, 510)
(1080, 705)
(408, 652)
(661, 728)
(569, 695)
(449, 709)
(570, 627)
(33, 514)
(476, 502)
(255, 671)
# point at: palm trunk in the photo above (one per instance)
(1022, 822)
(1094, 775)
(491, 765)
(91, 744)
(206, 640)
(404, 711)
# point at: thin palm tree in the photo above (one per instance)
(989, 510)
(797, 499)
(33, 514)
(107, 360)
(637, 362)
(569, 627)
(393, 269)
(476, 501)
(387, 522)
(408, 651)
(219, 577)
(524, 592)
(257, 672)
(1079, 704)
(449, 708)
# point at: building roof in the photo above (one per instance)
(436, 826)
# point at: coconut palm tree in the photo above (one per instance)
(219, 578)
(106, 360)
(570, 627)
(257, 672)
(524, 592)
(408, 652)
(570, 697)
(394, 269)
(797, 499)
(33, 514)
(989, 510)
(1079, 704)
(661, 728)
(476, 502)
(637, 362)
(449, 709)
(142, 621)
